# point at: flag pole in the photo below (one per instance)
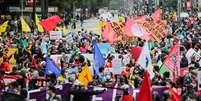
(179, 58)
(22, 6)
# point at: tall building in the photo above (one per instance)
(5, 4)
(26, 7)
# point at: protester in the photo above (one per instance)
(81, 93)
(52, 95)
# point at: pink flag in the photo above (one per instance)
(108, 33)
(50, 23)
(134, 29)
(156, 15)
(140, 19)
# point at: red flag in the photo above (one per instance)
(145, 93)
(172, 61)
(156, 15)
(183, 71)
(50, 23)
(134, 29)
(108, 33)
(135, 52)
(174, 95)
(127, 98)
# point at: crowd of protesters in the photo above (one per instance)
(30, 59)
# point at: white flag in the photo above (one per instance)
(145, 61)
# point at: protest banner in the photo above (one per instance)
(193, 54)
(117, 62)
(157, 30)
(55, 35)
(109, 95)
(118, 28)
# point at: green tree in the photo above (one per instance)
(62, 4)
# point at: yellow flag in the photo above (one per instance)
(39, 27)
(3, 27)
(100, 24)
(174, 16)
(65, 31)
(85, 76)
(25, 26)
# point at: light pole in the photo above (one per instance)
(178, 9)
(44, 8)
(34, 10)
(22, 6)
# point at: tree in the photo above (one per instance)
(62, 4)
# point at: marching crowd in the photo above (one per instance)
(30, 55)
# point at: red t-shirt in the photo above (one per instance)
(127, 98)
(109, 65)
(5, 66)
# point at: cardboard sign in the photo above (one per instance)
(55, 35)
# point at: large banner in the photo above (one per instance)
(118, 63)
(157, 30)
(109, 95)
(56, 58)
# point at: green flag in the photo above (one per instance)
(72, 57)
(24, 43)
(163, 69)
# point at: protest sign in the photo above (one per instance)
(117, 64)
(193, 54)
(55, 35)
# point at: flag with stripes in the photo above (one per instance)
(172, 61)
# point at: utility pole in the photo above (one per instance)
(44, 8)
(178, 9)
(22, 6)
(33, 14)
(34, 10)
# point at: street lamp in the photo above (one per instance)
(22, 6)
(44, 8)
(34, 10)
(178, 9)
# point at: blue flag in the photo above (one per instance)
(50, 67)
(98, 58)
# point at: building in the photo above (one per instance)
(14, 7)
